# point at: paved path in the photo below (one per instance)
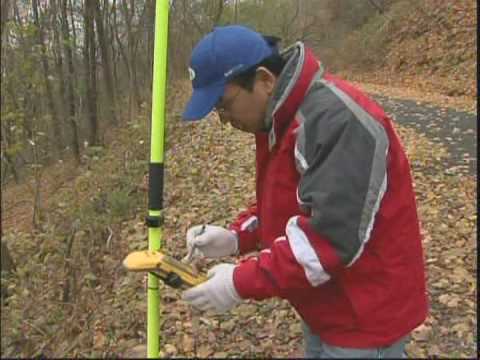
(456, 130)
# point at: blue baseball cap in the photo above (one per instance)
(219, 56)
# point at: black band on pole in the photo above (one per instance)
(154, 221)
(155, 188)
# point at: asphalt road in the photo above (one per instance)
(456, 130)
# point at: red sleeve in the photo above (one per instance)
(299, 261)
(245, 226)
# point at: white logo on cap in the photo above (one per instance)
(191, 73)
(232, 70)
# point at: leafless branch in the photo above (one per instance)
(380, 9)
(110, 236)
(217, 16)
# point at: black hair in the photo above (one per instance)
(274, 63)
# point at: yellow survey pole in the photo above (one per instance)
(155, 191)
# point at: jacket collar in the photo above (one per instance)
(292, 85)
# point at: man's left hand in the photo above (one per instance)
(218, 293)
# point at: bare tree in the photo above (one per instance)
(70, 79)
(58, 56)
(7, 159)
(8, 265)
(211, 18)
(90, 70)
(114, 33)
(235, 12)
(218, 13)
(58, 139)
(107, 72)
(129, 57)
(5, 11)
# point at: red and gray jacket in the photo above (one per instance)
(335, 215)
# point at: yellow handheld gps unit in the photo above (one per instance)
(172, 272)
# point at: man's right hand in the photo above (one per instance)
(210, 241)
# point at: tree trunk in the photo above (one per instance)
(58, 56)
(74, 32)
(218, 14)
(235, 18)
(57, 133)
(132, 45)
(74, 45)
(113, 31)
(67, 48)
(4, 12)
(150, 4)
(7, 160)
(129, 58)
(90, 71)
(6, 135)
(122, 53)
(107, 72)
(8, 138)
(8, 265)
(27, 124)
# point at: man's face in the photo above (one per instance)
(243, 109)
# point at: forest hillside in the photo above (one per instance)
(429, 45)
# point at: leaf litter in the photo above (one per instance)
(210, 172)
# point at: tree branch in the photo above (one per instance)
(380, 9)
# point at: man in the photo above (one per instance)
(335, 215)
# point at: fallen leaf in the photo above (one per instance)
(204, 351)
(170, 349)
(421, 333)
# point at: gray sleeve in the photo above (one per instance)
(341, 154)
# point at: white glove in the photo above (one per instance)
(213, 242)
(218, 293)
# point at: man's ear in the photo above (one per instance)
(266, 79)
